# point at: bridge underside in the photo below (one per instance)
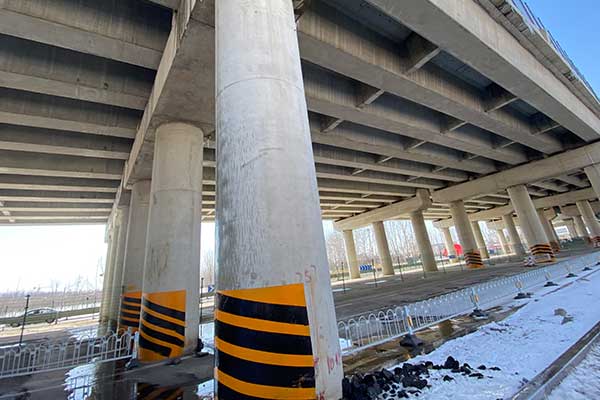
(395, 104)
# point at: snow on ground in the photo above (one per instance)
(522, 345)
(583, 382)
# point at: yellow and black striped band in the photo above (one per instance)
(473, 259)
(542, 253)
(264, 348)
(162, 327)
(130, 311)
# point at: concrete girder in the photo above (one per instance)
(35, 196)
(334, 96)
(61, 184)
(551, 186)
(355, 159)
(365, 139)
(497, 97)
(22, 163)
(573, 180)
(419, 202)
(56, 217)
(420, 52)
(567, 162)
(52, 23)
(184, 89)
(334, 185)
(543, 202)
(469, 33)
(351, 197)
(64, 221)
(384, 178)
(39, 68)
(49, 112)
(35, 140)
(334, 41)
(20, 206)
(573, 211)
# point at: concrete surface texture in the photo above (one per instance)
(152, 117)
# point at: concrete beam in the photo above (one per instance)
(421, 201)
(333, 185)
(384, 178)
(534, 171)
(184, 89)
(35, 196)
(365, 139)
(420, 52)
(22, 163)
(467, 31)
(46, 141)
(329, 38)
(45, 222)
(351, 197)
(497, 98)
(20, 206)
(60, 184)
(49, 112)
(324, 154)
(334, 96)
(25, 19)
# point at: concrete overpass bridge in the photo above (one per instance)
(136, 113)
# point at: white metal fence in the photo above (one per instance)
(52, 355)
(378, 327)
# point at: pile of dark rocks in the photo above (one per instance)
(406, 381)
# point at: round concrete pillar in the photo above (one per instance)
(530, 224)
(423, 242)
(580, 227)
(121, 219)
(503, 241)
(135, 253)
(170, 294)
(592, 224)
(465, 234)
(449, 244)
(351, 257)
(383, 248)
(266, 175)
(593, 174)
(480, 240)
(549, 231)
(513, 235)
(570, 224)
(112, 235)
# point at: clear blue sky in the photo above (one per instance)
(576, 25)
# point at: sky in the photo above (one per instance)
(35, 257)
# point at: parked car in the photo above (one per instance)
(36, 316)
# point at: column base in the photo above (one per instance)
(473, 259)
(542, 253)
(596, 241)
(130, 311)
(555, 247)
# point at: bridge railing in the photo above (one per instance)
(377, 327)
(53, 355)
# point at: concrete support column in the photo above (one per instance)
(503, 241)
(513, 235)
(121, 220)
(170, 294)
(383, 248)
(135, 253)
(587, 213)
(351, 257)
(265, 169)
(449, 243)
(423, 242)
(549, 231)
(580, 227)
(593, 174)
(570, 224)
(530, 224)
(480, 240)
(111, 238)
(465, 234)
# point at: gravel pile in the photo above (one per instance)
(407, 381)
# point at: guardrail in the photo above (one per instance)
(375, 328)
(54, 355)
